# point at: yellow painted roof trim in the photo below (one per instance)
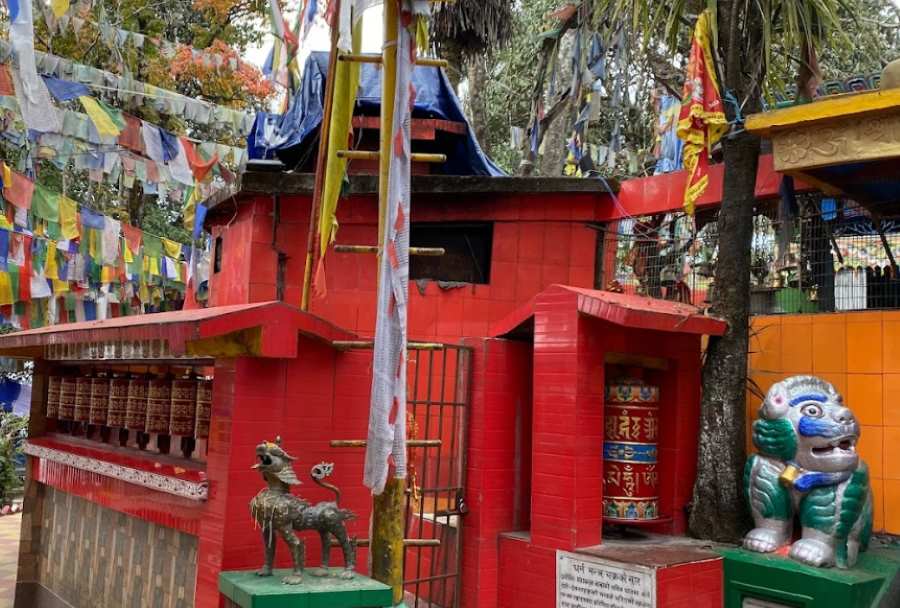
(830, 108)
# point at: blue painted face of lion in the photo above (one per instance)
(808, 466)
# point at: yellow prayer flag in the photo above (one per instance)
(51, 268)
(128, 256)
(107, 274)
(154, 267)
(60, 286)
(173, 249)
(68, 218)
(6, 294)
(95, 244)
(60, 7)
(346, 83)
(103, 122)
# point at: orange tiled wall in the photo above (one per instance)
(858, 352)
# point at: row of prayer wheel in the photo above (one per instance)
(179, 406)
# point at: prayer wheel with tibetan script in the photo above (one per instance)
(99, 400)
(83, 399)
(631, 431)
(118, 401)
(67, 387)
(159, 405)
(53, 389)
(184, 406)
(136, 408)
(204, 408)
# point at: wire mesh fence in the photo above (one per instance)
(815, 254)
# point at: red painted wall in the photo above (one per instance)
(538, 240)
(303, 401)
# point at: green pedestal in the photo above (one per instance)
(246, 590)
(873, 583)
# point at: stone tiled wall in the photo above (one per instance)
(92, 556)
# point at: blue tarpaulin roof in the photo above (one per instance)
(275, 134)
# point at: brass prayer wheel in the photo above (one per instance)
(99, 400)
(184, 406)
(136, 407)
(204, 408)
(159, 405)
(118, 401)
(53, 389)
(83, 399)
(67, 398)
(631, 433)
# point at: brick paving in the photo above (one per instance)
(10, 525)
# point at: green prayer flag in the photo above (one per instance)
(45, 204)
(153, 246)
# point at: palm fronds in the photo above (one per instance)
(473, 27)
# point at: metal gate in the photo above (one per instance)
(438, 396)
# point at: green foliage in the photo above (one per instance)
(853, 37)
(12, 429)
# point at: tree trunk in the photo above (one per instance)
(477, 104)
(719, 510)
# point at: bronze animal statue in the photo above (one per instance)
(279, 512)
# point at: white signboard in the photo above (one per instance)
(750, 602)
(583, 581)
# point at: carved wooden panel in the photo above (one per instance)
(852, 140)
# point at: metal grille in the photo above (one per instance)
(820, 255)
(437, 404)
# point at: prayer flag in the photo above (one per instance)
(346, 84)
(4, 249)
(133, 237)
(172, 248)
(65, 90)
(60, 7)
(45, 204)
(7, 89)
(104, 123)
(702, 122)
(68, 218)
(17, 189)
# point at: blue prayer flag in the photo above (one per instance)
(64, 90)
(89, 219)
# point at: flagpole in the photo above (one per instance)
(321, 159)
(387, 518)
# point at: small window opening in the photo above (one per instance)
(217, 259)
(467, 247)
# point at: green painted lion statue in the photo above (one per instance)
(807, 466)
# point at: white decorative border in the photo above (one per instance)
(161, 483)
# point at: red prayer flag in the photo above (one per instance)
(6, 83)
(199, 167)
(19, 190)
(133, 237)
(130, 137)
(702, 122)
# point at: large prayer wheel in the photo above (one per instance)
(67, 388)
(204, 408)
(99, 400)
(136, 408)
(53, 389)
(83, 399)
(159, 405)
(183, 416)
(118, 401)
(631, 431)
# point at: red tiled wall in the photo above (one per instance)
(299, 399)
(499, 458)
(538, 240)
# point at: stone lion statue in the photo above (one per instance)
(280, 513)
(807, 466)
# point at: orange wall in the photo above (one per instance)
(859, 353)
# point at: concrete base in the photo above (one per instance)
(243, 589)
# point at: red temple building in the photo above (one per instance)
(516, 359)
